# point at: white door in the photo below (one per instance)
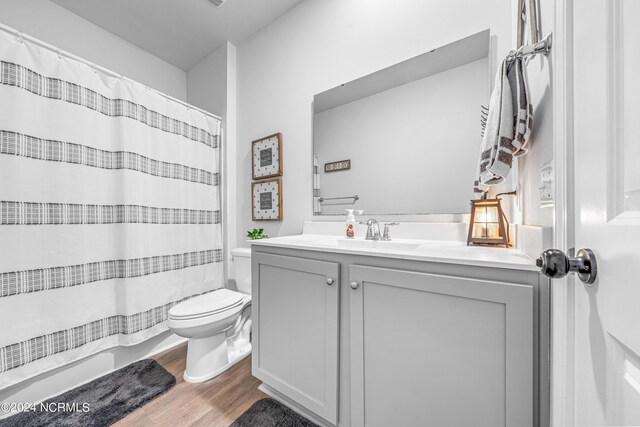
(606, 107)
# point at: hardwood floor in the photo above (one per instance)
(217, 402)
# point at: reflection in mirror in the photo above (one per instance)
(410, 133)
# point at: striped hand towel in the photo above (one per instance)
(497, 144)
(524, 119)
(508, 126)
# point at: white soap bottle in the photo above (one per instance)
(351, 224)
(358, 212)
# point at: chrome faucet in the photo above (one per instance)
(373, 229)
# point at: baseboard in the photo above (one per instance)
(65, 378)
(293, 405)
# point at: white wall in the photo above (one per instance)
(320, 44)
(207, 82)
(231, 166)
(55, 25)
(211, 85)
(405, 143)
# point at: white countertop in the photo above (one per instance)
(452, 252)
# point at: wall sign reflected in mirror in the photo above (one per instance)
(342, 165)
(267, 200)
(267, 156)
(411, 132)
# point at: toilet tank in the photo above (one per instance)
(241, 271)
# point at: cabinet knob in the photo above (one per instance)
(329, 280)
(354, 285)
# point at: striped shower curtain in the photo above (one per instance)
(110, 209)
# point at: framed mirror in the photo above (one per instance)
(404, 140)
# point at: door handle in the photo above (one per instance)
(354, 285)
(556, 264)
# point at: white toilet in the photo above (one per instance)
(218, 324)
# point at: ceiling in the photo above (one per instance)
(181, 32)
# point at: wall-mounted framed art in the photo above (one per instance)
(267, 157)
(266, 200)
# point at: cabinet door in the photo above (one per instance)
(432, 350)
(295, 329)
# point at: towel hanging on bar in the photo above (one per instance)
(522, 108)
(508, 124)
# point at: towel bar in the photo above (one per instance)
(355, 198)
(543, 46)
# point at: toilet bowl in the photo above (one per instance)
(217, 324)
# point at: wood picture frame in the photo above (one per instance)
(266, 208)
(266, 157)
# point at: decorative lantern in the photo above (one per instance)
(488, 224)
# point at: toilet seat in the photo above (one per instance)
(207, 305)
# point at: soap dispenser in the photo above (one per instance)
(351, 224)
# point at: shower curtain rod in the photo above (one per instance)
(21, 37)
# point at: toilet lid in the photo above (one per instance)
(208, 304)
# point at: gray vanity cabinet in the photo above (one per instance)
(295, 329)
(393, 342)
(437, 350)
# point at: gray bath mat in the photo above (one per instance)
(108, 398)
(270, 413)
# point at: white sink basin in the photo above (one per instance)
(373, 244)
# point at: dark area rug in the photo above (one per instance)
(270, 413)
(101, 402)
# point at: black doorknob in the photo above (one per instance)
(556, 264)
